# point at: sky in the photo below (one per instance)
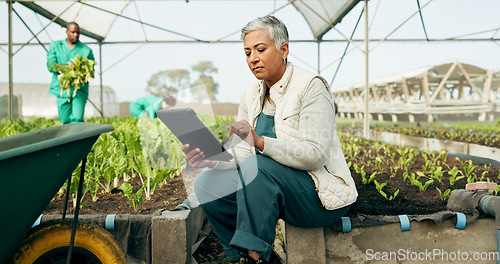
(128, 67)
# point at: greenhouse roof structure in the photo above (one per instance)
(314, 23)
(96, 17)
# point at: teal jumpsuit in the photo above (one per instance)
(70, 109)
(146, 105)
(246, 218)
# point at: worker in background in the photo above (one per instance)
(70, 108)
(148, 105)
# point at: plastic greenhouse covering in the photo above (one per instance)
(82, 12)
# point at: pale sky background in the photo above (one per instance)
(127, 67)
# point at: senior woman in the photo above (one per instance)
(288, 162)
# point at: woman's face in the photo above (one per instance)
(263, 59)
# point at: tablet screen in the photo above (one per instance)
(189, 129)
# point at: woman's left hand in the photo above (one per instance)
(245, 131)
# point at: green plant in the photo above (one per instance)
(483, 175)
(496, 191)
(358, 169)
(405, 175)
(118, 155)
(75, 73)
(110, 159)
(128, 191)
(444, 194)
(379, 187)
(468, 169)
(369, 180)
(407, 156)
(414, 180)
(437, 173)
(454, 175)
(280, 236)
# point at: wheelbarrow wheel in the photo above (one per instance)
(49, 243)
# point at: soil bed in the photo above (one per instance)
(410, 200)
(167, 196)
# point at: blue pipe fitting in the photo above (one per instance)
(405, 223)
(491, 205)
(37, 222)
(109, 223)
(346, 224)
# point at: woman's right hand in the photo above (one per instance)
(195, 158)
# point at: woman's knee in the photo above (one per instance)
(258, 166)
(201, 181)
(210, 185)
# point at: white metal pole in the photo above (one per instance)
(100, 79)
(11, 84)
(366, 126)
(319, 56)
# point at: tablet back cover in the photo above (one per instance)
(189, 129)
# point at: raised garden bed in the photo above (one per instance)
(406, 181)
(489, 137)
(409, 200)
(424, 180)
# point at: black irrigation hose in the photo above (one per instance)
(476, 159)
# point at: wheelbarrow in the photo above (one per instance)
(33, 167)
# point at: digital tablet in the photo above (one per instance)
(189, 129)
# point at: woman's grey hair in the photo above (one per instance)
(275, 28)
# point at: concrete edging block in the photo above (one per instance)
(448, 146)
(426, 242)
(485, 152)
(390, 138)
(173, 234)
(411, 141)
(432, 144)
(304, 245)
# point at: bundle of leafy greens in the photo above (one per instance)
(75, 73)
